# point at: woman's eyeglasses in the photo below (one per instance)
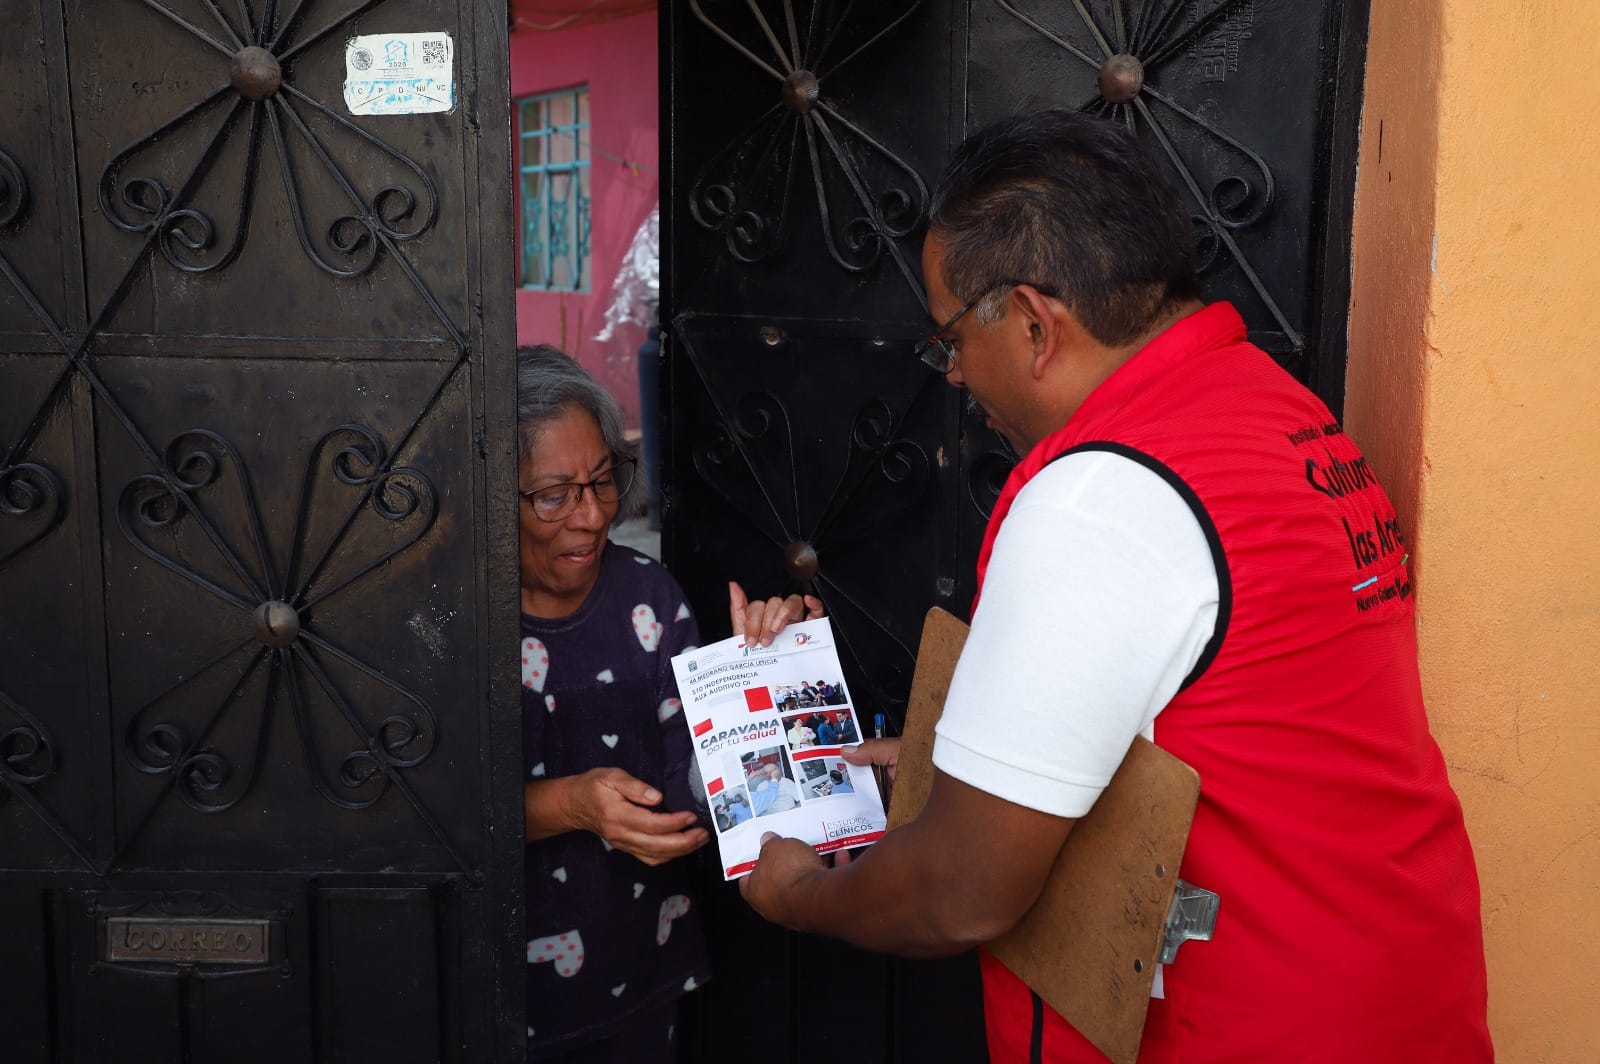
(555, 502)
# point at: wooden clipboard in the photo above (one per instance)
(1089, 945)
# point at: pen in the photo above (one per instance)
(877, 770)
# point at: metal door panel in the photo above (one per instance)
(49, 821)
(35, 212)
(811, 434)
(1222, 101)
(228, 392)
(379, 956)
(802, 452)
(304, 171)
(25, 951)
(385, 594)
(218, 1012)
(774, 202)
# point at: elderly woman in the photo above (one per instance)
(613, 934)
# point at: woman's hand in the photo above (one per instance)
(760, 622)
(615, 806)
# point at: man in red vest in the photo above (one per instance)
(1190, 549)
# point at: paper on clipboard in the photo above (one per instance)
(1089, 945)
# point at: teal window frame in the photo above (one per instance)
(553, 193)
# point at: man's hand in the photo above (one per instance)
(881, 753)
(961, 874)
(613, 805)
(760, 622)
(783, 881)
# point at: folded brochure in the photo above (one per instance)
(767, 724)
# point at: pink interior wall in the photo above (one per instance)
(617, 60)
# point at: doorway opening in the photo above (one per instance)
(586, 157)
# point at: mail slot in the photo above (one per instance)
(176, 940)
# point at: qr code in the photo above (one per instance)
(433, 53)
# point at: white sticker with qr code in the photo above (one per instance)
(399, 74)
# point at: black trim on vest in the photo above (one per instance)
(1036, 1038)
(1224, 579)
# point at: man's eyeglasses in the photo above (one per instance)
(938, 353)
(555, 502)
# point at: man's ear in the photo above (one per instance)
(1052, 329)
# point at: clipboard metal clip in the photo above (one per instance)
(1193, 915)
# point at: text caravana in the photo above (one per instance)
(741, 733)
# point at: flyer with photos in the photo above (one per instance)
(767, 724)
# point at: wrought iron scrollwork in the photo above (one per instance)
(300, 661)
(1128, 55)
(986, 479)
(14, 211)
(32, 504)
(1207, 243)
(723, 461)
(255, 79)
(13, 192)
(885, 474)
(27, 754)
(200, 773)
(402, 740)
(400, 495)
(156, 502)
(28, 758)
(31, 495)
(868, 197)
(287, 660)
(166, 213)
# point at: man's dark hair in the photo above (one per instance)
(1063, 200)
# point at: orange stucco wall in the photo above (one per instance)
(1474, 384)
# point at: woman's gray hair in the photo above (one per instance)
(549, 384)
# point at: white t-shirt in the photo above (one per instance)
(1100, 597)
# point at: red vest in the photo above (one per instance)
(1349, 926)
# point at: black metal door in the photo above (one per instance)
(259, 755)
(805, 446)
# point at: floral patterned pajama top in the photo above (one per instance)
(608, 935)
